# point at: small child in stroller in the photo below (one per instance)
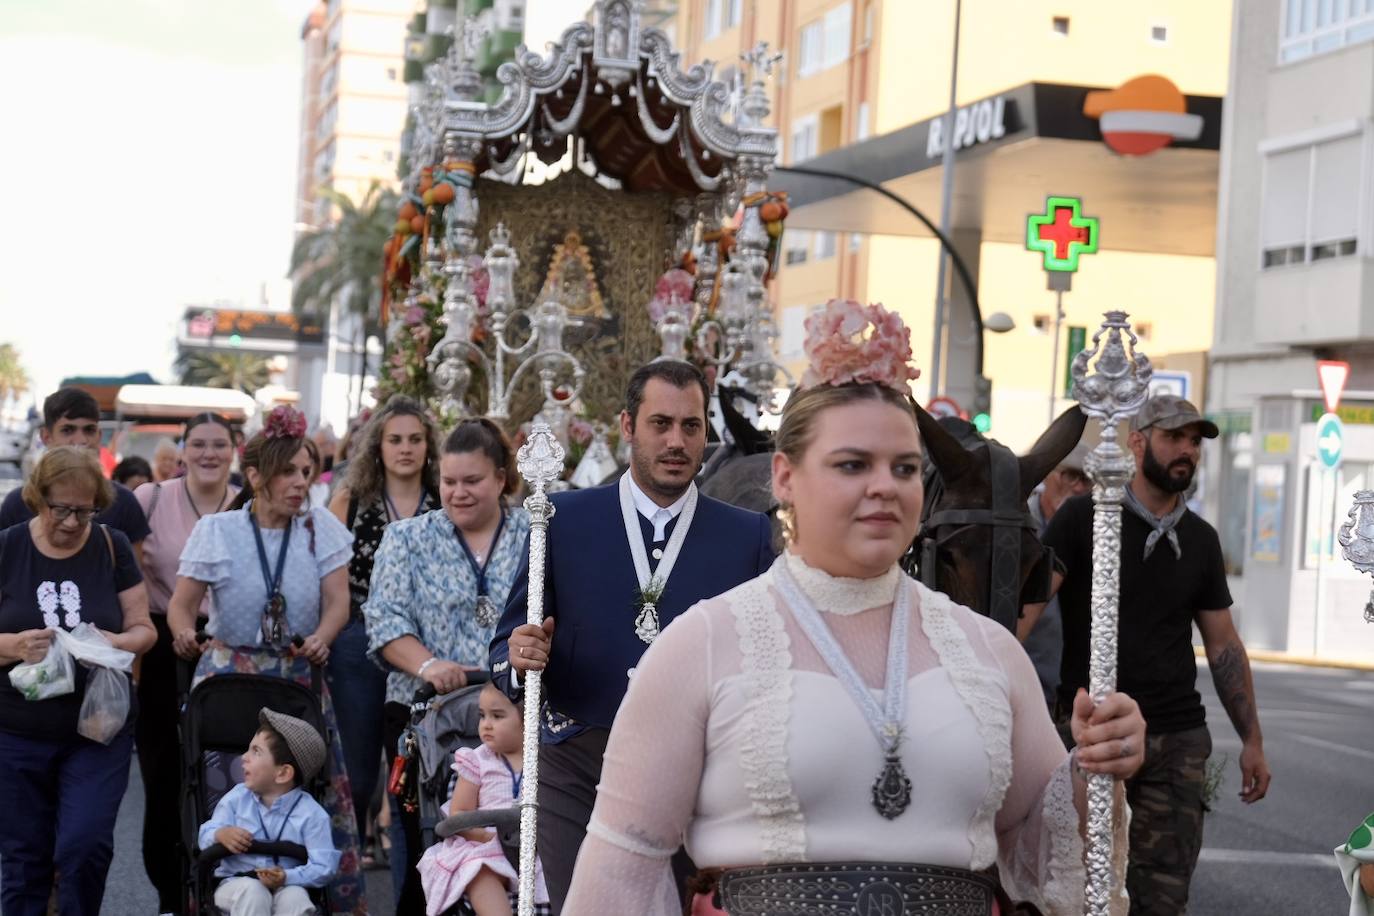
(472, 863)
(270, 806)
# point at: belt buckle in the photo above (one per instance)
(880, 898)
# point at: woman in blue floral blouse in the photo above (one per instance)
(439, 583)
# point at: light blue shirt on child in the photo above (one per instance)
(293, 818)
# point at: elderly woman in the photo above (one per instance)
(833, 734)
(166, 460)
(438, 585)
(277, 571)
(59, 791)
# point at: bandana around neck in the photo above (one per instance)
(1162, 527)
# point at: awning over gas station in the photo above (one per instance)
(1014, 149)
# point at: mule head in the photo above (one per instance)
(977, 543)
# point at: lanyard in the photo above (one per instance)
(516, 779)
(394, 515)
(272, 584)
(480, 569)
(282, 829)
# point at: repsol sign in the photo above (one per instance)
(980, 122)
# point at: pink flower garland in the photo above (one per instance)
(848, 342)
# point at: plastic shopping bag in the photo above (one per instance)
(105, 707)
(53, 676)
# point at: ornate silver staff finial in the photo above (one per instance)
(1357, 540)
(540, 461)
(759, 64)
(459, 70)
(1115, 388)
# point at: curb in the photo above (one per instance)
(1306, 661)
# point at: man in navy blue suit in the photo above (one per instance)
(623, 561)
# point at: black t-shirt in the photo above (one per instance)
(84, 586)
(124, 514)
(1160, 597)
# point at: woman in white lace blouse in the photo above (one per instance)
(836, 711)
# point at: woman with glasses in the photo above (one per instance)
(60, 791)
(278, 571)
(438, 588)
(393, 476)
(173, 507)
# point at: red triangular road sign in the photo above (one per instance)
(1332, 374)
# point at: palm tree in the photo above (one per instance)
(14, 381)
(213, 369)
(343, 260)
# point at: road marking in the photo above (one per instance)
(1264, 857)
(1333, 746)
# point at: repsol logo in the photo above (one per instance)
(973, 124)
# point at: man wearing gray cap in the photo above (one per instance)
(1171, 577)
(1043, 637)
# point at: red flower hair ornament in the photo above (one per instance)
(848, 342)
(284, 422)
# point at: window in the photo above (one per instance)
(868, 24)
(1313, 27)
(1144, 330)
(1159, 34)
(391, 73)
(792, 340)
(796, 243)
(862, 128)
(856, 242)
(712, 23)
(809, 50)
(734, 12)
(1311, 205)
(825, 245)
(837, 35)
(1060, 25)
(1042, 323)
(805, 138)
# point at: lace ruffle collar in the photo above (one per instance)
(839, 595)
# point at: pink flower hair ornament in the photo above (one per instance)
(284, 422)
(849, 342)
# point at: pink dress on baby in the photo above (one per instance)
(447, 868)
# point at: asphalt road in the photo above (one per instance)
(1268, 859)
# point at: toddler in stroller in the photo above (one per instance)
(271, 809)
(473, 869)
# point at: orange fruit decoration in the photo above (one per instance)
(403, 227)
(408, 211)
(443, 193)
(417, 224)
(428, 197)
(770, 212)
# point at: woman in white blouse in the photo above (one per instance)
(836, 711)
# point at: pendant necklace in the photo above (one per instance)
(274, 614)
(892, 788)
(652, 585)
(486, 612)
(186, 488)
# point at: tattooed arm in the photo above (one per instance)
(1231, 674)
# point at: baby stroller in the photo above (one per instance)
(218, 721)
(440, 725)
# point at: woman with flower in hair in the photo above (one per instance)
(835, 726)
(277, 571)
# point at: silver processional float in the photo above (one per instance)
(1112, 391)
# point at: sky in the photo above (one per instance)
(149, 163)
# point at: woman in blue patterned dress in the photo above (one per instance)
(439, 583)
(277, 571)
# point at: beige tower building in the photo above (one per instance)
(353, 103)
(864, 89)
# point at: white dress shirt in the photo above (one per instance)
(658, 516)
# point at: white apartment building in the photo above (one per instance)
(1295, 283)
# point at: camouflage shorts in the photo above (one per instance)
(1166, 799)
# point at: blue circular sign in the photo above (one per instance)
(1330, 440)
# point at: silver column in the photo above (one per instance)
(1112, 391)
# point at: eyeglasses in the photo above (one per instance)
(62, 513)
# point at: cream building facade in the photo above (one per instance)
(858, 73)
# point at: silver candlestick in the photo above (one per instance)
(1357, 540)
(1112, 391)
(540, 461)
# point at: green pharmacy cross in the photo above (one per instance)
(1062, 233)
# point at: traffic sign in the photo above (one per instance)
(941, 407)
(1177, 382)
(1330, 440)
(1332, 374)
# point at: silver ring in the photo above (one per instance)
(522, 651)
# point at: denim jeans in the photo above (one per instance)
(359, 690)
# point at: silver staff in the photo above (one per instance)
(1116, 388)
(540, 461)
(1357, 540)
